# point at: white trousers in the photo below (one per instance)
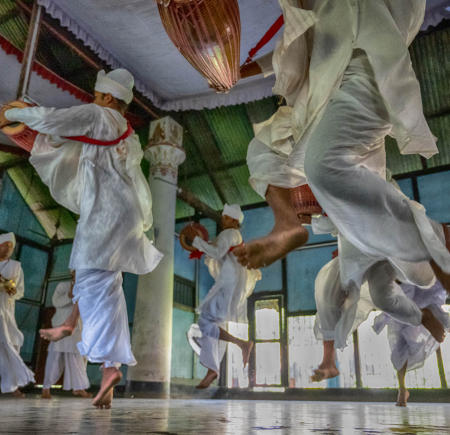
(72, 364)
(13, 371)
(340, 311)
(105, 336)
(368, 211)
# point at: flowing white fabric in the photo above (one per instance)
(103, 311)
(314, 51)
(13, 371)
(226, 301)
(72, 364)
(104, 185)
(414, 344)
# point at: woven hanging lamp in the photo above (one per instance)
(208, 34)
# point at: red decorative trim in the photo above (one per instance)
(196, 255)
(58, 81)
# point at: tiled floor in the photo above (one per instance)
(216, 417)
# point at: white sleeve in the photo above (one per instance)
(73, 121)
(266, 64)
(220, 247)
(323, 225)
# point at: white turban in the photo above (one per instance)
(119, 83)
(233, 211)
(8, 237)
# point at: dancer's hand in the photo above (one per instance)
(250, 69)
(10, 287)
(3, 120)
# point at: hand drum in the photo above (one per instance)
(189, 232)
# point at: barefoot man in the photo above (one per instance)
(13, 371)
(63, 356)
(412, 345)
(345, 90)
(90, 159)
(226, 301)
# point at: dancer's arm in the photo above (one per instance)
(220, 247)
(73, 121)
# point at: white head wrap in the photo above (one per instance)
(8, 237)
(119, 83)
(234, 211)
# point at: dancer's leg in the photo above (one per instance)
(403, 393)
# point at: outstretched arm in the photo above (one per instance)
(73, 121)
(220, 248)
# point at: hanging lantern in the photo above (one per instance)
(207, 33)
(18, 132)
(304, 201)
(188, 234)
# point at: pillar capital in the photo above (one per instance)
(165, 150)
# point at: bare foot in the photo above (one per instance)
(324, 371)
(402, 397)
(111, 376)
(246, 348)
(56, 334)
(433, 325)
(444, 278)
(286, 235)
(207, 380)
(106, 401)
(266, 250)
(82, 393)
(46, 393)
(18, 394)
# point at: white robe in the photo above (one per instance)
(13, 371)
(226, 301)
(63, 355)
(414, 344)
(103, 184)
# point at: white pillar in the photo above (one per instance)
(152, 326)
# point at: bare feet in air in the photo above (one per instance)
(18, 394)
(246, 347)
(433, 325)
(46, 393)
(111, 377)
(207, 380)
(56, 334)
(325, 371)
(443, 277)
(286, 235)
(402, 397)
(82, 393)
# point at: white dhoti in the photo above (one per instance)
(71, 363)
(13, 371)
(105, 336)
(412, 345)
(369, 212)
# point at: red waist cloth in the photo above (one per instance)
(105, 143)
(199, 254)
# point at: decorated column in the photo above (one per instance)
(152, 326)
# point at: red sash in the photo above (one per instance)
(105, 143)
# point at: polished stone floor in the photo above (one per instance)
(216, 417)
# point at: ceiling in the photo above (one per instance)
(215, 139)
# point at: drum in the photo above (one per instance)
(18, 132)
(188, 234)
(304, 201)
